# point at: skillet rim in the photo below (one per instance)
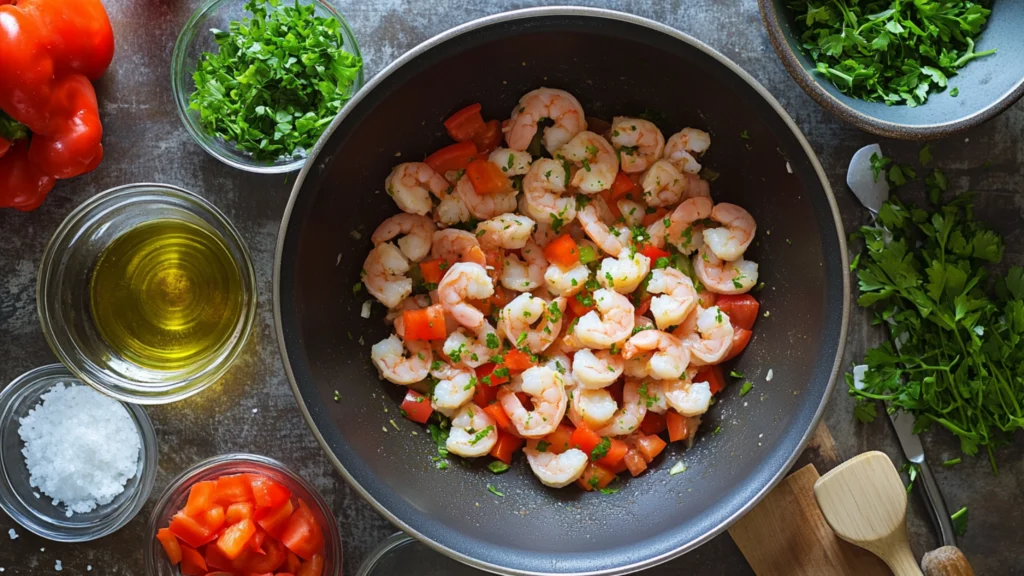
(585, 12)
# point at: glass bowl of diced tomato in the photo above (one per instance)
(242, 514)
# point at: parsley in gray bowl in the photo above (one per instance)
(913, 70)
(256, 82)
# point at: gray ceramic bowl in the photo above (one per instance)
(987, 86)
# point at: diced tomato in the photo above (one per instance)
(506, 446)
(678, 426)
(312, 567)
(654, 253)
(231, 489)
(425, 324)
(501, 419)
(454, 157)
(714, 376)
(585, 439)
(235, 538)
(250, 562)
(200, 498)
(594, 477)
(191, 531)
(740, 308)
(650, 446)
(578, 308)
(635, 462)
(560, 440)
(616, 451)
(487, 177)
(517, 360)
(563, 252)
(302, 533)
(170, 543)
(622, 185)
(416, 407)
(489, 137)
(267, 492)
(653, 423)
(657, 215)
(239, 511)
(485, 375)
(274, 520)
(192, 562)
(740, 339)
(292, 563)
(465, 123)
(433, 270)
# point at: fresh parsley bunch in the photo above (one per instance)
(892, 51)
(277, 81)
(960, 363)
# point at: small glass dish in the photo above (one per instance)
(34, 510)
(63, 292)
(196, 39)
(176, 494)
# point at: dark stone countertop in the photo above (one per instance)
(253, 409)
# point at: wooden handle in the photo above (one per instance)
(901, 559)
(946, 561)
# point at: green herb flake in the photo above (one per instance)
(959, 519)
(542, 446)
(601, 450)
(677, 468)
(746, 388)
(493, 490)
(498, 467)
(951, 462)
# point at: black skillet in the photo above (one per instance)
(615, 64)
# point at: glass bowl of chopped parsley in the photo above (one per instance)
(256, 82)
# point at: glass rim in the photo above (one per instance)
(116, 386)
(180, 93)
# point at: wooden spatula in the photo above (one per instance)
(865, 503)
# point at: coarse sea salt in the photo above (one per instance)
(81, 447)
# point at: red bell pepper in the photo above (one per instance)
(267, 492)
(653, 423)
(714, 376)
(740, 308)
(740, 339)
(518, 361)
(489, 137)
(595, 477)
(425, 324)
(563, 252)
(51, 49)
(654, 253)
(506, 446)
(170, 543)
(678, 426)
(454, 157)
(622, 185)
(433, 270)
(466, 123)
(302, 533)
(416, 407)
(487, 177)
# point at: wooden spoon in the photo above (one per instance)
(865, 503)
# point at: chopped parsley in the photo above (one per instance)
(481, 435)
(493, 490)
(601, 450)
(498, 467)
(492, 341)
(542, 446)
(745, 389)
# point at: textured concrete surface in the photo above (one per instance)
(253, 408)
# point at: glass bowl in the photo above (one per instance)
(196, 39)
(176, 494)
(63, 294)
(34, 510)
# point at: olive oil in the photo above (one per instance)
(165, 294)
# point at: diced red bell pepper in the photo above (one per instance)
(563, 252)
(302, 534)
(653, 423)
(584, 438)
(650, 446)
(489, 137)
(578, 308)
(486, 177)
(216, 560)
(714, 376)
(239, 511)
(652, 218)
(170, 543)
(312, 567)
(485, 375)
(635, 462)
(416, 407)
(235, 538)
(200, 498)
(644, 306)
(425, 324)
(740, 339)
(595, 477)
(706, 298)
(466, 123)
(485, 395)
(433, 270)
(506, 446)
(560, 440)
(249, 562)
(518, 361)
(678, 426)
(192, 562)
(191, 531)
(622, 185)
(616, 452)
(292, 563)
(257, 540)
(740, 308)
(234, 488)
(501, 419)
(454, 157)
(274, 520)
(611, 202)
(268, 493)
(654, 253)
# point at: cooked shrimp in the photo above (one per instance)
(546, 388)
(670, 357)
(628, 417)
(418, 234)
(566, 282)
(724, 277)
(687, 397)
(451, 210)
(473, 432)
(639, 143)
(732, 239)
(545, 192)
(411, 184)
(596, 160)
(632, 212)
(472, 349)
(396, 315)
(559, 106)
(683, 147)
(556, 470)
(453, 391)
(524, 275)
(391, 358)
(625, 273)
(663, 185)
(696, 187)
(532, 321)
(594, 370)
(384, 274)
(484, 206)
(595, 407)
(610, 240)
(512, 162)
(658, 232)
(677, 296)
(715, 331)
(454, 245)
(639, 366)
(683, 232)
(653, 395)
(509, 231)
(611, 323)
(462, 282)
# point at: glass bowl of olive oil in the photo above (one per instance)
(147, 292)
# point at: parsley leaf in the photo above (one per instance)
(601, 450)
(498, 467)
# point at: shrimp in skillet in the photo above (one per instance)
(417, 234)
(729, 241)
(384, 274)
(596, 160)
(546, 389)
(724, 277)
(411, 184)
(402, 362)
(638, 141)
(560, 107)
(683, 148)
(545, 192)
(463, 282)
(610, 324)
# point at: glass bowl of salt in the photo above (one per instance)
(75, 465)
